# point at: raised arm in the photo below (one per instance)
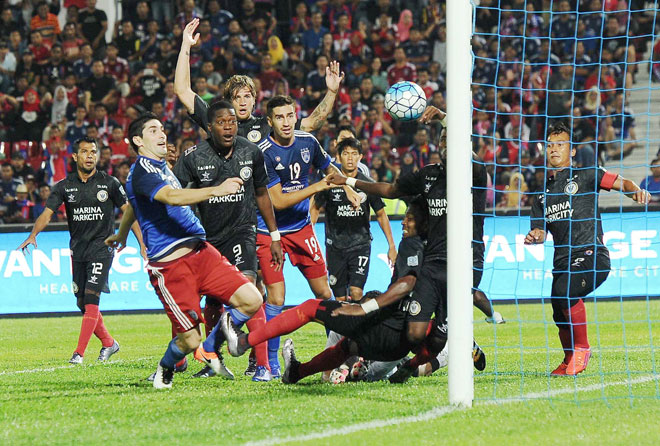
(333, 79)
(397, 291)
(283, 201)
(385, 190)
(182, 86)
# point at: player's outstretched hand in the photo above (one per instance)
(348, 310)
(115, 241)
(535, 236)
(228, 187)
(391, 255)
(189, 37)
(432, 113)
(333, 77)
(25, 246)
(335, 179)
(642, 196)
(276, 254)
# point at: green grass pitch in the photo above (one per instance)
(44, 400)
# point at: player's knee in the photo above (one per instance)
(189, 340)
(275, 294)
(416, 333)
(91, 298)
(356, 294)
(251, 299)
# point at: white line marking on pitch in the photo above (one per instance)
(71, 366)
(438, 412)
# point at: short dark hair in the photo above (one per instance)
(558, 128)
(87, 139)
(418, 209)
(346, 128)
(349, 142)
(136, 127)
(215, 107)
(278, 101)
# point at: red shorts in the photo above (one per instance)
(303, 249)
(180, 283)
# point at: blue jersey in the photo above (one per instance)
(290, 167)
(164, 227)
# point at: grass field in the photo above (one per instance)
(44, 400)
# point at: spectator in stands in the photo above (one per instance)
(121, 172)
(20, 168)
(241, 56)
(77, 128)
(8, 184)
(380, 171)
(269, 75)
(418, 50)
(301, 22)
(377, 75)
(312, 37)
(40, 50)
(366, 90)
(315, 87)
(404, 25)
(82, 67)
(210, 44)
(40, 203)
(141, 19)
(21, 209)
(92, 25)
(401, 69)
(560, 91)
(584, 139)
(383, 38)
(100, 88)
(104, 123)
(45, 22)
(119, 146)
(652, 182)
(105, 160)
(422, 148)
(129, 45)
(71, 43)
(7, 67)
(60, 109)
(220, 18)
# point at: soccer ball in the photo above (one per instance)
(405, 101)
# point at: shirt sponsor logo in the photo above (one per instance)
(304, 153)
(437, 206)
(206, 176)
(254, 136)
(101, 186)
(72, 189)
(245, 163)
(205, 167)
(347, 210)
(87, 213)
(246, 173)
(231, 198)
(571, 188)
(558, 211)
(413, 260)
(189, 150)
(102, 195)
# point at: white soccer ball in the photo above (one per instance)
(405, 101)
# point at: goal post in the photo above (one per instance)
(459, 202)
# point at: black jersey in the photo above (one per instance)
(345, 226)
(431, 183)
(202, 166)
(569, 210)
(408, 261)
(90, 212)
(254, 128)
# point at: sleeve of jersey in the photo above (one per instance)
(606, 179)
(147, 183)
(182, 170)
(118, 194)
(259, 176)
(409, 259)
(321, 158)
(56, 197)
(273, 177)
(200, 114)
(536, 219)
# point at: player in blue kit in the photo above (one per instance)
(182, 265)
(289, 155)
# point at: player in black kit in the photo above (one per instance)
(230, 221)
(569, 210)
(347, 230)
(90, 197)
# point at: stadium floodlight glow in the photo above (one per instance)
(459, 202)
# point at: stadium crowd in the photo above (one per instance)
(62, 81)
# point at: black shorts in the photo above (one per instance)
(90, 276)
(241, 250)
(375, 339)
(577, 277)
(430, 293)
(347, 268)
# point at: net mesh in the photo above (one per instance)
(595, 65)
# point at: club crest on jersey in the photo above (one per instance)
(246, 173)
(304, 153)
(254, 136)
(102, 195)
(363, 196)
(413, 261)
(332, 280)
(74, 287)
(571, 188)
(414, 308)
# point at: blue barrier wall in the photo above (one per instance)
(41, 282)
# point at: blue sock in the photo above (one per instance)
(173, 354)
(237, 317)
(214, 340)
(274, 343)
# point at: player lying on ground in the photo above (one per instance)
(569, 210)
(182, 265)
(90, 198)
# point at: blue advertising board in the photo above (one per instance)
(41, 281)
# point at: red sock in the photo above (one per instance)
(328, 359)
(89, 321)
(212, 312)
(256, 322)
(566, 340)
(578, 320)
(286, 322)
(102, 333)
(422, 356)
